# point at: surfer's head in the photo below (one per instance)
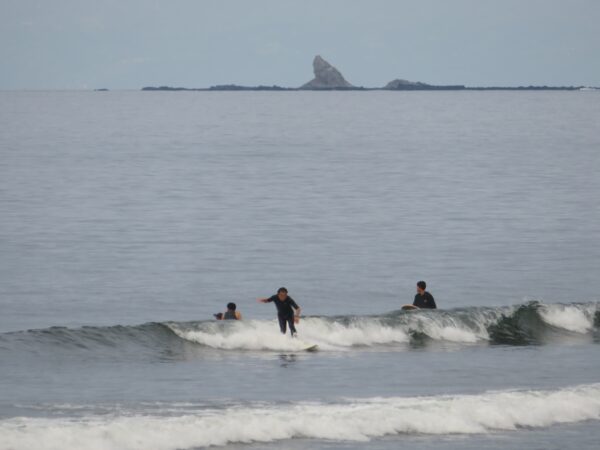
(231, 306)
(282, 293)
(421, 286)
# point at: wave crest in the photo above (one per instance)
(531, 323)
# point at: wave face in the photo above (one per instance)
(531, 323)
(352, 420)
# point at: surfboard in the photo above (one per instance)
(410, 307)
(307, 347)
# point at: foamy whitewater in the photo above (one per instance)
(354, 420)
(127, 219)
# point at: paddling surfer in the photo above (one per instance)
(424, 299)
(288, 311)
(230, 314)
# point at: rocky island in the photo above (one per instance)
(328, 78)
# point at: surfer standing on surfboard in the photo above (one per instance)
(424, 299)
(285, 310)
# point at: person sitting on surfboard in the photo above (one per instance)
(230, 314)
(424, 299)
(285, 310)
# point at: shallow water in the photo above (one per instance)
(128, 218)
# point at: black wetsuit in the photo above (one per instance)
(229, 315)
(424, 301)
(285, 312)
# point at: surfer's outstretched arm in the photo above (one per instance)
(263, 300)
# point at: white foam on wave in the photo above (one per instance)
(265, 335)
(359, 332)
(578, 319)
(451, 334)
(449, 329)
(249, 335)
(353, 420)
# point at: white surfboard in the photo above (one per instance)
(307, 347)
(410, 307)
(311, 348)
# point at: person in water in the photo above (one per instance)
(424, 299)
(288, 311)
(230, 314)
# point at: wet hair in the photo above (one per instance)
(231, 306)
(422, 284)
(282, 289)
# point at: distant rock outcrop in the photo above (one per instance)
(326, 77)
(405, 85)
(236, 87)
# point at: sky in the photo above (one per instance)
(128, 44)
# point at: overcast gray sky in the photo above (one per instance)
(65, 44)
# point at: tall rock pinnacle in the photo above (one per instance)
(326, 76)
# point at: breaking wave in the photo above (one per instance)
(350, 420)
(526, 324)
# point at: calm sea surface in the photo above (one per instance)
(128, 218)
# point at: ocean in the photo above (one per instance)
(127, 219)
